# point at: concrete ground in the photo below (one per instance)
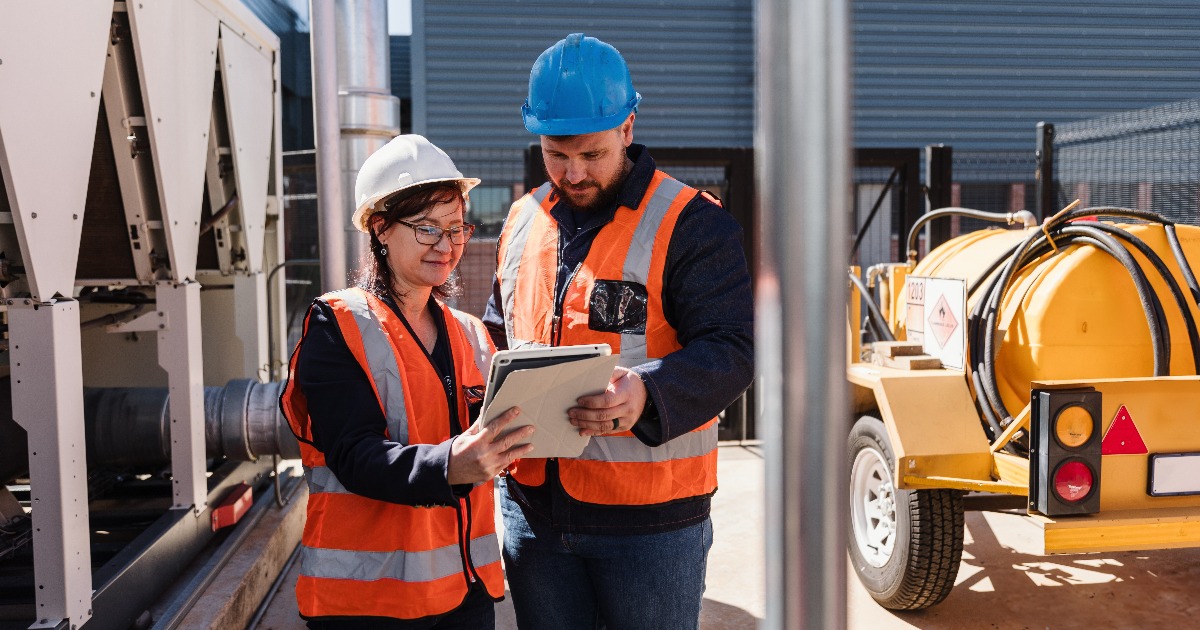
(1001, 583)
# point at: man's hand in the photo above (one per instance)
(480, 453)
(615, 410)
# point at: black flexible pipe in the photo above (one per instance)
(1160, 266)
(879, 327)
(1034, 248)
(1184, 266)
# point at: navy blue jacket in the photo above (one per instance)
(707, 299)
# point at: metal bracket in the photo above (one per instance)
(153, 321)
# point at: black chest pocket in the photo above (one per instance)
(618, 307)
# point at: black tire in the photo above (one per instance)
(918, 568)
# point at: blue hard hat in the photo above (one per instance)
(579, 85)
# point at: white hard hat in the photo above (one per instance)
(405, 162)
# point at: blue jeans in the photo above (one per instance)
(562, 581)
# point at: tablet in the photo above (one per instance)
(505, 362)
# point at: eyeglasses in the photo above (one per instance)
(432, 234)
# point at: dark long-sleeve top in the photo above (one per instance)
(348, 426)
(707, 299)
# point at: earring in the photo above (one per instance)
(383, 250)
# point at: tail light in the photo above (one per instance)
(1064, 462)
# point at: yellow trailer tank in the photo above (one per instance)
(1075, 315)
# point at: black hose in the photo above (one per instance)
(879, 327)
(1030, 250)
(1172, 285)
(1188, 276)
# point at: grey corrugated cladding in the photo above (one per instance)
(979, 75)
(693, 63)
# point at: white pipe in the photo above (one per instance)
(332, 211)
(370, 114)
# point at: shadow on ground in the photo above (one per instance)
(1002, 585)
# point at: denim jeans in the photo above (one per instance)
(561, 581)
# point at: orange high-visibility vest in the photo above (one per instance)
(614, 469)
(362, 557)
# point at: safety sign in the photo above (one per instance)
(935, 317)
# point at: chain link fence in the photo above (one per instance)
(1148, 159)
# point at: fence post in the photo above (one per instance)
(1045, 169)
(938, 182)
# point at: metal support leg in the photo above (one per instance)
(179, 353)
(47, 400)
(250, 323)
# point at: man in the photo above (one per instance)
(611, 250)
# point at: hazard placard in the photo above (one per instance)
(942, 318)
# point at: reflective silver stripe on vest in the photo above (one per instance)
(382, 361)
(321, 479)
(637, 260)
(628, 449)
(531, 204)
(407, 566)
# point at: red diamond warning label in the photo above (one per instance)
(941, 321)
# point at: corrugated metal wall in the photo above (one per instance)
(693, 62)
(978, 75)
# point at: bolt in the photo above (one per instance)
(33, 215)
(74, 217)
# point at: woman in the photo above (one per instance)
(381, 392)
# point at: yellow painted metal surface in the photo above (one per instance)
(952, 483)
(1121, 530)
(1166, 412)
(931, 421)
(1013, 470)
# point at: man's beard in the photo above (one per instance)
(604, 199)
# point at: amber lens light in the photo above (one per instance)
(1073, 426)
(1073, 481)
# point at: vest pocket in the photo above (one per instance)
(618, 306)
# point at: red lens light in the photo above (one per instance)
(1073, 481)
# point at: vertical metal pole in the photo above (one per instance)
(180, 354)
(803, 132)
(47, 400)
(938, 181)
(370, 114)
(330, 200)
(1045, 170)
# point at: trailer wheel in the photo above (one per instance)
(905, 544)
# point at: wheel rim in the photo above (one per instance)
(872, 507)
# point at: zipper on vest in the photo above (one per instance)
(464, 540)
(470, 525)
(556, 321)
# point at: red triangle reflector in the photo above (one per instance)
(1122, 437)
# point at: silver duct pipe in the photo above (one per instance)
(803, 136)
(332, 210)
(370, 114)
(131, 426)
